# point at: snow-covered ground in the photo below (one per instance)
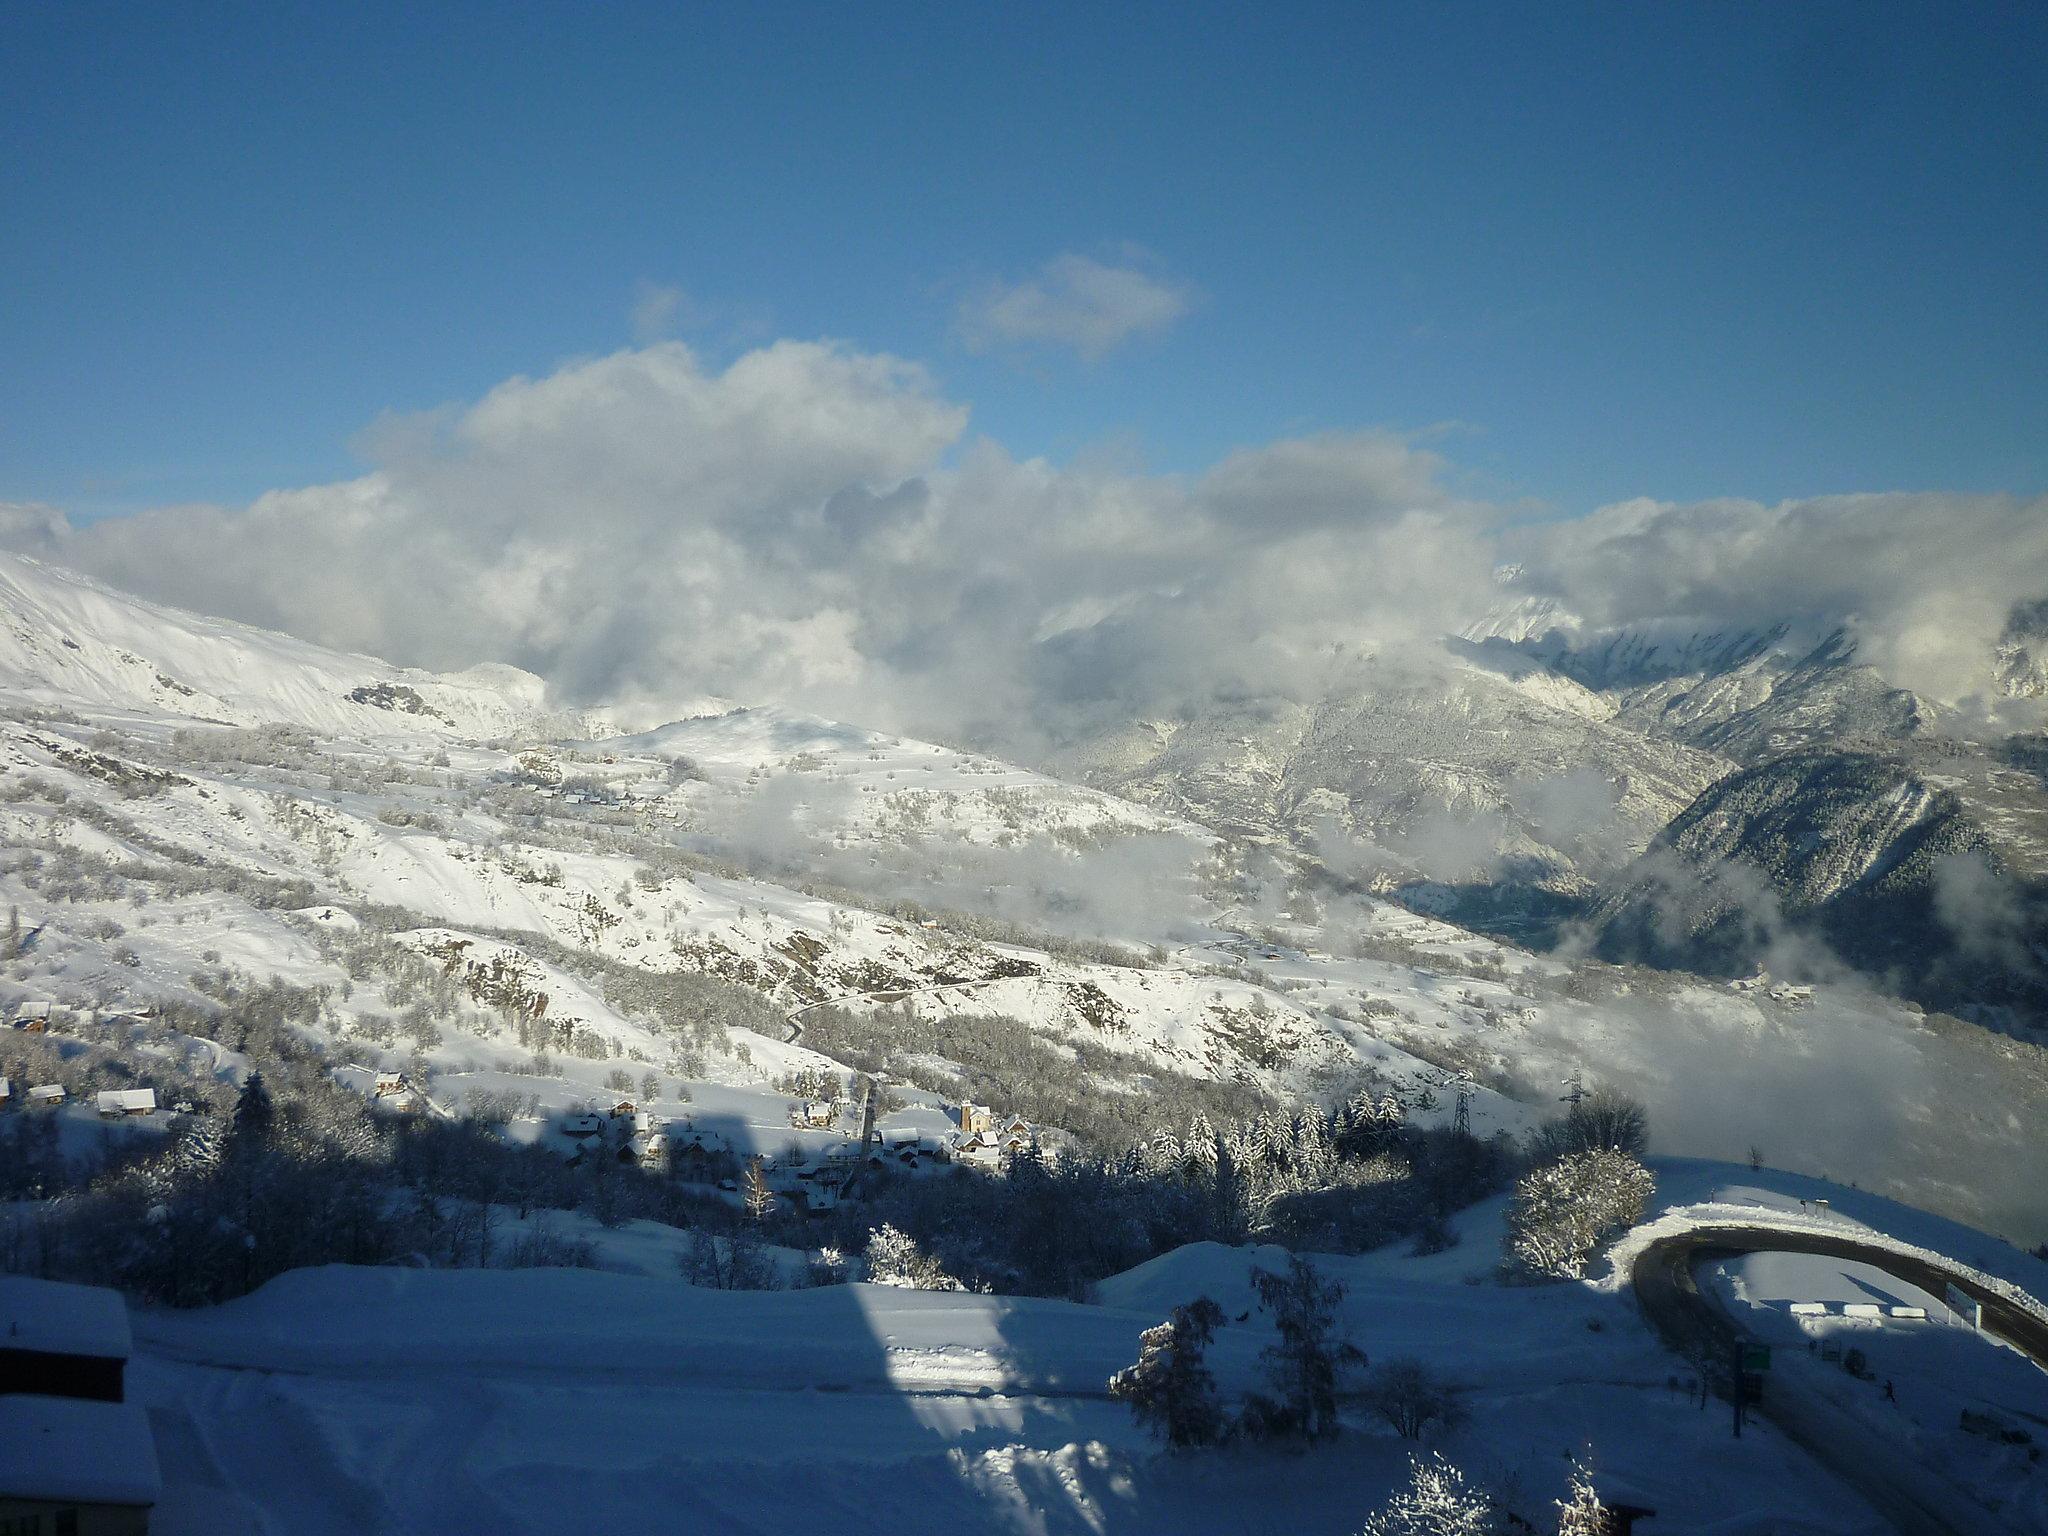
(429, 1401)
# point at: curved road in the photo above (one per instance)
(1915, 1499)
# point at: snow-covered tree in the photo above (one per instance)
(1581, 1513)
(759, 1197)
(1170, 1388)
(1437, 1502)
(893, 1258)
(1561, 1212)
(198, 1151)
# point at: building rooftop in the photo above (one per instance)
(65, 1449)
(62, 1319)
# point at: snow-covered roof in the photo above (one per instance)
(64, 1319)
(67, 1449)
(51, 1091)
(121, 1101)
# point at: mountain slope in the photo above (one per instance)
(70, 641)
(1470, 769)
(1745, 694)
(1923, 865)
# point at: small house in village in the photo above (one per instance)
(816, 1115)
(389, 1083)
(983, 1150)
(625, 1109)
(117, 1102)
(695, 1153)
(32, 1013)
(6, 1091)
(45, 1096)
(583, 1125)
(74, 1457)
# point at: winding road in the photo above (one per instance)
(1916, 1499)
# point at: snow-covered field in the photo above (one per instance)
(424, 1401)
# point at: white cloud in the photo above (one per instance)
(1925, 581)
(656, 310)
(806, 525)
(1076, 302)
(32, 527)
(785, 529)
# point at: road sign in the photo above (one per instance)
(1756, 1357)
(1966, 1307)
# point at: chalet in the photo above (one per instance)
(33, 1015)
(691, 1151)
(687, 1135)
(583, 1125)
(625, 1109)
(77, 1467)
(817, 1115)
(982, 1149)
(62, 1340)
(117, 1102)
(74, 1457)
(6, 1091)
(389, 1083)
(45, 1096)
(818, 1195)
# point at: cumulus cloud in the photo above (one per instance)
(811, 524)
(1926, 582)
(1074, 301)
(807, 526)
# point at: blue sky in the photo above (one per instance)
(1766, 251)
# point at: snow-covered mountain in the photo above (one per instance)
(1473, 780)
(1742, 693)
(71, 641)
(726, 900)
